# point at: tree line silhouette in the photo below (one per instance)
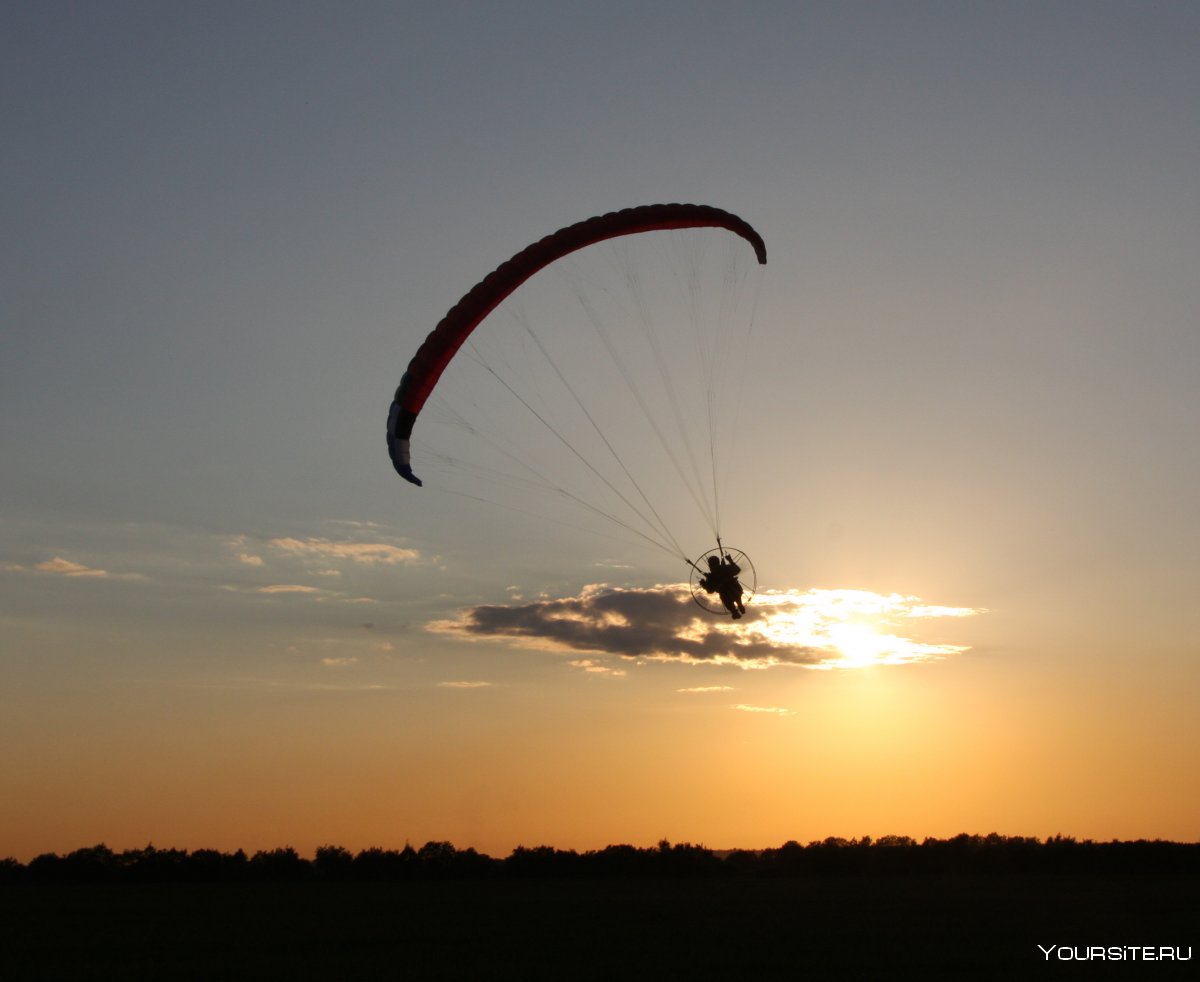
(889, 855)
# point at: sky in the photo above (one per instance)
(964, 464)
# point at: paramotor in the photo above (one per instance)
(710, 599)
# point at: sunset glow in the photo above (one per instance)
(951, 421)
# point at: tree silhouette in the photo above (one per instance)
(891, 855)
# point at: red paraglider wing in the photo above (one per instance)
(444, 341)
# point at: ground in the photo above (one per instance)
(844, 927)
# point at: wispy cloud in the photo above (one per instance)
(314, 594)
(770, 710)
(593, 667)
(363, 553)
(58, 566)
(465, 684)
(813, 629)
(64, 567)
(707, 688)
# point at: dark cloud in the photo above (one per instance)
(660, 622)
(813, 629)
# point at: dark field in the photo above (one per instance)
(939, 926)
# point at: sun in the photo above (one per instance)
(851, 629)
(843, 624)
(859, 645)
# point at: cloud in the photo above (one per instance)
(342, 661)
(934, 611)
(707, 688)
(593, 667)
(465, 684)
(64, 567)
(363, 553)
(318, 595)
(58, 566)
(776, 710)
(815, 629)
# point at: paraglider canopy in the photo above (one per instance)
(447, 337)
